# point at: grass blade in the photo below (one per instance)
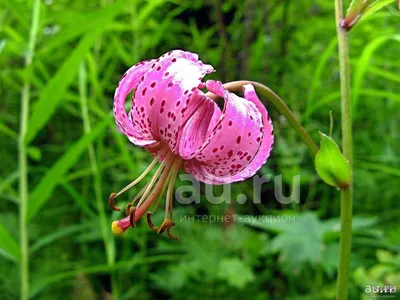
(8, 246)
(53, 93)
(42, 193)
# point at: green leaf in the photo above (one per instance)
(331, 165)
(8, 131)
(52, 95)
(384, 256)
(96, 19)
(360, 9)
(235, 272)
(9, 248)
(364, 62)
(302, 243)
(56, 235)
(42, 193)
(375, 6)
(34, 153)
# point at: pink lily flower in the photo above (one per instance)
(183, 128)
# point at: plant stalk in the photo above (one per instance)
(108, 239)
(22, 155)
(346, 195)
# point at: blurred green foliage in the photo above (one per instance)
(76, 160)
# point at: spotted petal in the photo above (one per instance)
(239, 143)
(166, 94)
(127, 84)
(195, 130)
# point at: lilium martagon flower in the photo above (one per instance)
(184, 129)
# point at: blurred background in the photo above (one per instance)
(77, 157)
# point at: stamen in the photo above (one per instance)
(162, 191)
(132, 220)
(128, 209)
(164, 176)
(170, 191)
(111, 202)
(170, 235)
(133, 183)
(164, 166)
(156, 191)
(128, 206)
(148, 217)
(166, 225)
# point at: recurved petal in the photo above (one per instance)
(165, 95)
(239, 143)
(129, 82)
(194, 131)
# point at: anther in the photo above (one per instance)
(132, 220)
(111, 202)
(166, 226)
(128, 209)
(170, 235)
(151, 225)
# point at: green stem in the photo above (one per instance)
(265, 92)
(108, 240)
(22, 155)
(346, 195)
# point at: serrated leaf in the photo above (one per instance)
(331, 165)
(235, 272)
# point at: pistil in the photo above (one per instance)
(165, 175)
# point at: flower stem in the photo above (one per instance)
(22, 155)
(346, 195)
(237, 86)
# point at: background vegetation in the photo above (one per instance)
(76, 157)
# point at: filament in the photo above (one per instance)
(128, 206)
(156, 191)
(155, 177)
(133, 183)
(170, 191)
